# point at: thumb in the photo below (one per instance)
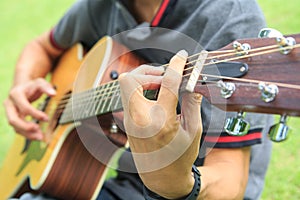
(191, 112)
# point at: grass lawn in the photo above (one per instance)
(283, 176)
(22, 20)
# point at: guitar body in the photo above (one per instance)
(72, 161)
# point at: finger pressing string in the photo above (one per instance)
(172, 79)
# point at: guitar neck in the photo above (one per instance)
(97, 101)
(266, 65)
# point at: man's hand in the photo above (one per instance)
(164, 145)
(18, 107)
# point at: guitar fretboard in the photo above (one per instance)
(97, 101)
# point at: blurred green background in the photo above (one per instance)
(21, 21)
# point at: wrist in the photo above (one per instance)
(190, 193)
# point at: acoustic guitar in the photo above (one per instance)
(85, 128)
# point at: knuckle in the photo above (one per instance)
(13, 92)
(25, 110)
(39, 80)
(141, 68)
(170, 127)
(11, 122)
(121, 79)
(166, 133)
(28, 129)
(40, 83)
(168, 81)
(124, 78)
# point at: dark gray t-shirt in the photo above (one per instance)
(190, 25)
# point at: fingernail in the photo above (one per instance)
(51, 91)
(45, 118)
(39, 137)
(182, 53)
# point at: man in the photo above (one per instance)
(209, 24)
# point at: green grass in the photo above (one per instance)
(282, 15)
(20, 21)
(283, 176)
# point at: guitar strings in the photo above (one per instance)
(236, 58)
(65, 98)
(223, 77)
(230, 53)
(82, 99)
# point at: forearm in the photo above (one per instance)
(36, 60)
(223, 176)
(229, 186)
(225, 179)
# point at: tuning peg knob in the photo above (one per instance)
(280, 131)
(237, 126)
(285, 44)
(269, 33)
(268, 92)
(227, 89)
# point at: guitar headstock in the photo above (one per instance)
(271, 83)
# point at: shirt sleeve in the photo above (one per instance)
(224, 140)
(78, 24)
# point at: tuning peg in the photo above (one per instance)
(280, 131)
(227, 89)
(241, 49)
(269, 33)
(268, 92)
(237, 126)
(285, 44)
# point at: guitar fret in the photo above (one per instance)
(113, 94)
(100, 100)
(90, 103)
(79, 108)
(118, 103)
(105, 107)
(97, 99)
(67, 113)
(104, 99)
